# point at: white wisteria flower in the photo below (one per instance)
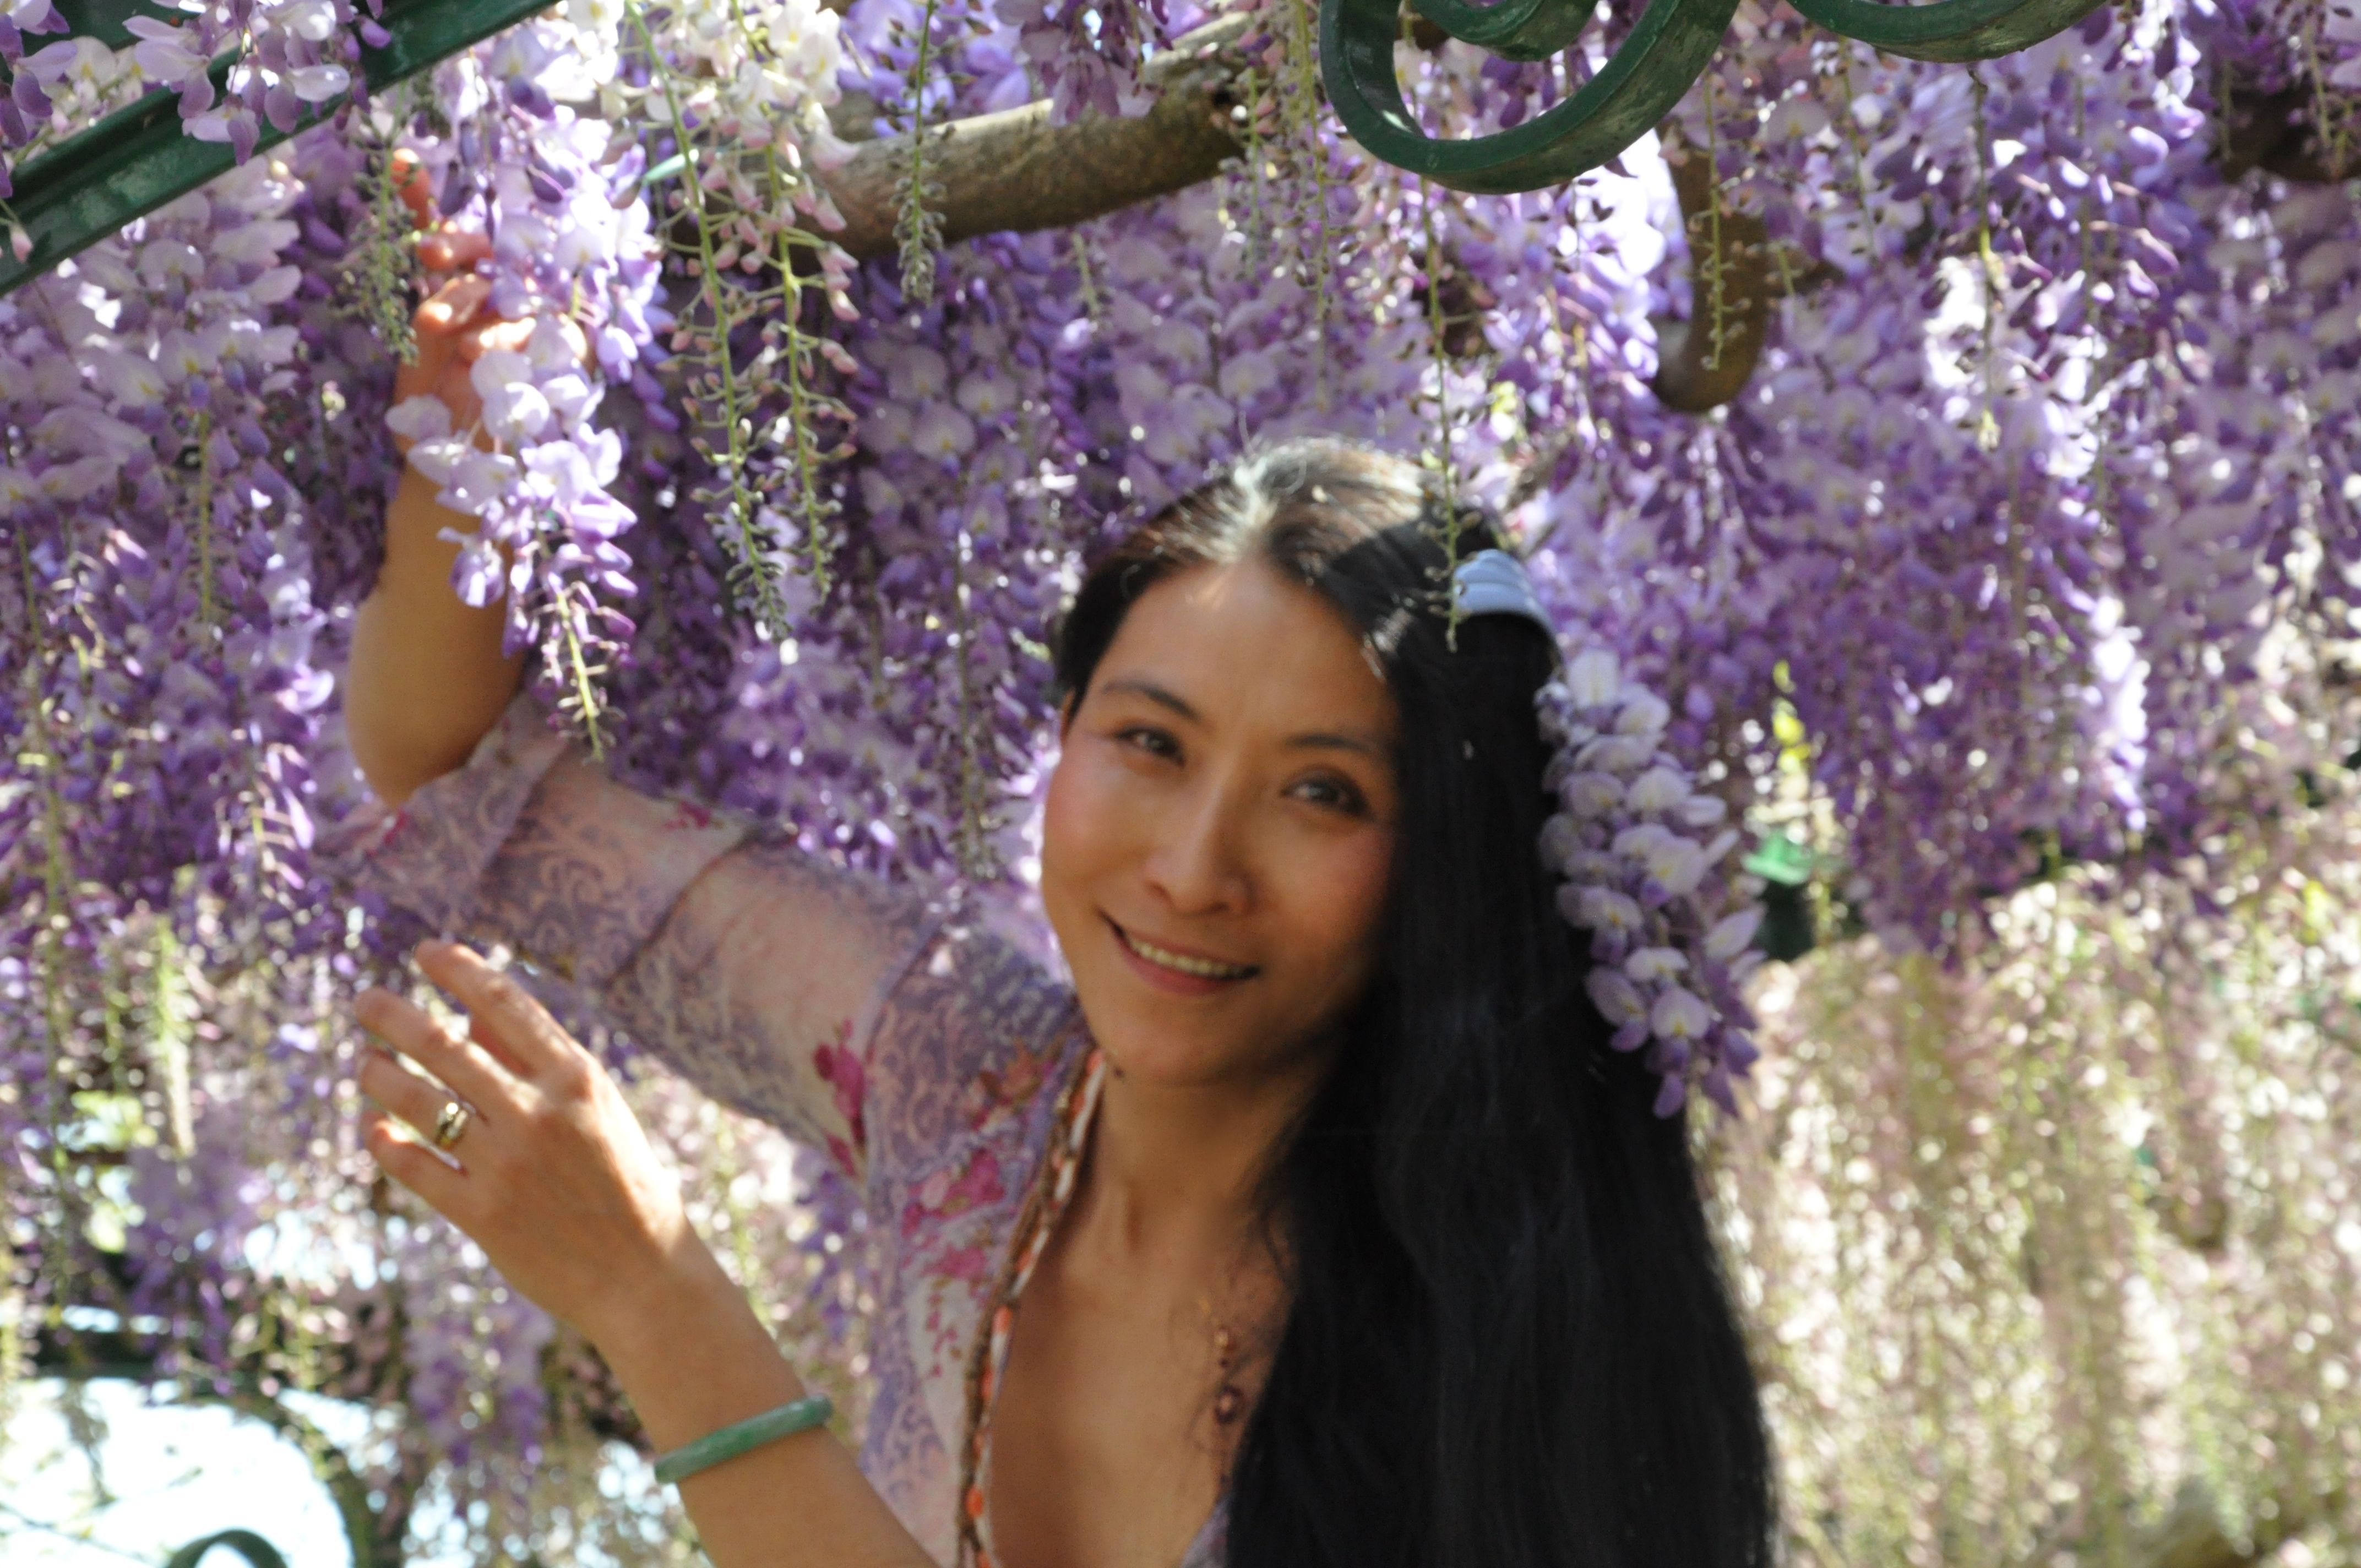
(1645, 713)
(1733, 934)
(1660, 789)
(1655, 963)
(1680, 1014)
(1617, 999)
(1604, 909)
(1592, 678)
(1591, 794)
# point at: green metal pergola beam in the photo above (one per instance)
(103, 19)
(138, 158)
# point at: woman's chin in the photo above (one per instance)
(1148, 1052)
(1152, 1057)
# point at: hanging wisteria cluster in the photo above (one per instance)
(1628, 839)
(2057, 1250)
(2025, 552)
(292, 57)
(572, 254)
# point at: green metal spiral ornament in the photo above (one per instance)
(1666, 53)
(138, 158)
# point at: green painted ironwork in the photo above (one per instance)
(1952, 31)
(1666, 53)
(103, 19)
(135, 160)
(257, 1552)
(138, 158)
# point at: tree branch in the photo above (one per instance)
(1015, 171)
(1690, 375)
(2275, 132)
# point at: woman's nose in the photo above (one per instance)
(1199, 862)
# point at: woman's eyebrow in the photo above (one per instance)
(1326, 741)
(1323, 739)
(1156, 695)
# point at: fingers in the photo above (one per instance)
(494, 335)
(446, 249)
(454, 306)
(438, 327)
(453, 249)
(538, 1045)
(405, 1157)
(456, 314)
(410, 180)
(465, 1065)
(415, 1101)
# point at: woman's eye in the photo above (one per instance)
(1155, 742)
(1337, 793)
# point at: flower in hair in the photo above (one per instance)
(1634, 840)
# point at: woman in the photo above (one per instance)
(1316, 1225)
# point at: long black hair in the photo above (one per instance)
(1509, 1343)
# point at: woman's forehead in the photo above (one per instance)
(1242, 641)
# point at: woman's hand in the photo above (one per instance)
(451, 327)
(554, 1179)
(556, 1183)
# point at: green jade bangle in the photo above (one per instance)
(794, 1415)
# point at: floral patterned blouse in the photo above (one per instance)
(940, 1066)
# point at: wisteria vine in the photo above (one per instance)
(2023, 559)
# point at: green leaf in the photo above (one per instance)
(257, 1552)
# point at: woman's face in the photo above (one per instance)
(1219, 827)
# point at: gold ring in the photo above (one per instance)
(450, 1125)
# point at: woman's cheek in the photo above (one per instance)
(1058, 843)
(1356, 917)
(1082, 819)
(1070, 816)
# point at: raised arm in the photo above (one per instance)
(753, 968)
(816, 998)
(427, 678)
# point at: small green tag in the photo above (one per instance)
(1782, 860)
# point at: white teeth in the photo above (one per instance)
(1201, 966)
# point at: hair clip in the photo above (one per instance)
(1493, 582)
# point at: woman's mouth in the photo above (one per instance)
(1185, 973)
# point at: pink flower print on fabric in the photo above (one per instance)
(968, 1265)
(998, 1092)
(946, 1195)
(840, 1070)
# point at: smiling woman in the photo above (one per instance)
(1499, 1333)
(1220, 825)
(1341, 1236)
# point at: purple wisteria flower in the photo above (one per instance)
(1636, 844)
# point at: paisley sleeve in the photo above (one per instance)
(974, 1037)
(756, 971)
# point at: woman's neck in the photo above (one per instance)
(1174, 1175)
